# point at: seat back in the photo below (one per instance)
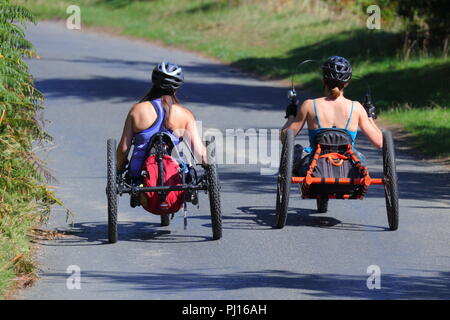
(330, 165)
(333, 140)
(160, 143)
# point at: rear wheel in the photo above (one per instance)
(390, 181)
(165, 220)
(111, 190)
(322, 205)
(212, 179)
(284, 180)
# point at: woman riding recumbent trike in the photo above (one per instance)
(167, 182)
(333, 169)
(335, 172)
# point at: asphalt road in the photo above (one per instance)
(90, 81)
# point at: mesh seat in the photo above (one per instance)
(333, 142)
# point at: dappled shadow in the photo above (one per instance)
(417, 86)
(205, 83)
(129, 90)
(247, 182)
(173, 281)
(265, 217)
(192, 72)
(412, 184)
(417, 180)
(96, 233)
(96, 88)
(102, 62)
(250, 96)
(212, 6)
(417, 185)
(118, 4)
(356, 45)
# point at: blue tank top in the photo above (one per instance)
(142, 138)
(312, 133)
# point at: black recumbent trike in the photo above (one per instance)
(161, 146)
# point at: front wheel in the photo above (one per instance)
(111, 190)
(212, 179)
(284, 180)
(390, 181)
(322, 205)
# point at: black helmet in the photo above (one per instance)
(167, 76)
(338, 69)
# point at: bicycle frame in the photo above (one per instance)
(163, 145)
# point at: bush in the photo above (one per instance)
(24, 198)
(426, 21)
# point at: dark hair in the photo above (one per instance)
(168, 98)
(334, 87)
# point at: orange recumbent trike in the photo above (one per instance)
(335, 172)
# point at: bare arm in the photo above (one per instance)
(296, 123)
(369, 128)
(289, 121)
(125, 143)
(194, 138)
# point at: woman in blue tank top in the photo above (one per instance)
(333, 110)
(158, 111)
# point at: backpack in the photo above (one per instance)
(173, 200)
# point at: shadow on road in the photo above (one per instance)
(197, 89)
(174, 281)
(415, 183)
(265, 217)
(412, 185)
(96, 233)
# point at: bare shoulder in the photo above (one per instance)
(359, 107)
(307, 105)
(139, 108)
(182, 111)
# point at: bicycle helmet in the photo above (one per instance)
(167, 76)
(338, 69)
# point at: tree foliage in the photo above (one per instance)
(429, 16)
(426, 21)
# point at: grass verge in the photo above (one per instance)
(429, 128)
(271, 37)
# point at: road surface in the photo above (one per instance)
(90, 81)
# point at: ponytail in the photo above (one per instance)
(168, 98)
(333, 89)
(334, 93)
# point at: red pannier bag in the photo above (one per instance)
(172, 177)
